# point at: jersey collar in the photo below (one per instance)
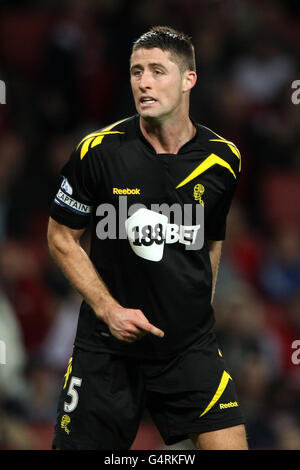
(186, 147)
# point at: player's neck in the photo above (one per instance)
(168, 136)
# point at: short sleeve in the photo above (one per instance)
(76, 196)
(215, 229)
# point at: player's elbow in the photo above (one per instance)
(58, 242)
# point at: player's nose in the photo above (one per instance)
(145, 82)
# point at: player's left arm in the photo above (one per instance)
(215, 249)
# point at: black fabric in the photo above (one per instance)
(118, 166)
(112, 392)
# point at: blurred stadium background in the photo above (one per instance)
(65, 66)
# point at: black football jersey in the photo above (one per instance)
(152, 216)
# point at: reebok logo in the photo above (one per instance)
(231, 404)
(126, 191)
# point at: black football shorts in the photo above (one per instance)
(104, 396)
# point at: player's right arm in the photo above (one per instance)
(64, 245)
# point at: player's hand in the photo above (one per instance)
(129, 325)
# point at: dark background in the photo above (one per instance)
(65, 66)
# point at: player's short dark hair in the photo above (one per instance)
(168, 39)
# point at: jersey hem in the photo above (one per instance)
(200, 342)
(58, 442)
(201, 428)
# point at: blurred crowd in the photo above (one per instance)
(65, 66)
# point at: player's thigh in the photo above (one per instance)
(202, 397)
(232, 438)
(100, 403)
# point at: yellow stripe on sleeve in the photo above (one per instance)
(205, 165)
(232, 147)
(98, 136)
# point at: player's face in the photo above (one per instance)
(156, 82)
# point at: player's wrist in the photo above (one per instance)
(105, 308)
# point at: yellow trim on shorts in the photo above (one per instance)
(222, 385)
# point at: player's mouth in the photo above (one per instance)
(147, 101)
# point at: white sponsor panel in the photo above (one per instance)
(146, 233)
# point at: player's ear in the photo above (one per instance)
(189, 80)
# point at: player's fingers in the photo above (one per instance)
(132, 337)
(156, 331)
(149, 328)
(133, 329)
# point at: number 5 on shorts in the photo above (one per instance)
(72, 392)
